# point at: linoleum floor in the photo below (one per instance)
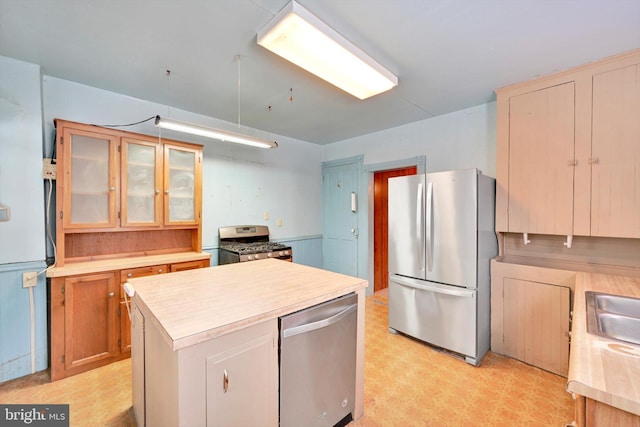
(407, 383)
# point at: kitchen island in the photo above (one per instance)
(205, 342)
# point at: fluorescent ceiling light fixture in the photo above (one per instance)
(300, 37)
(213, 133)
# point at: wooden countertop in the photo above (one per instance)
(111, 264)
(604, 369)
(196, 305)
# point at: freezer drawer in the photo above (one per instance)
(442, 315)
(318, 364)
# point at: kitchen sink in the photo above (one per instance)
(613, 316)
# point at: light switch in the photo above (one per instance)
(4, 213)
(266, 215)
(279, 222)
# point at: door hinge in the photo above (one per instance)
(61, 140)
(119, 314)
(62, 289)
(60, 214)
(120, 343)
(62, 358)
(119, 148)
(118, 215)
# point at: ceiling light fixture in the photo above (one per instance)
(300, 37)
(213, 133)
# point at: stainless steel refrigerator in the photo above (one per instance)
(441, 240)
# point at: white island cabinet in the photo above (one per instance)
(205, 342)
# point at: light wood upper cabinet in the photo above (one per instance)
(568, 152)
(147, 190)
(141, 183)
(182, 177)
(541, 161)
(615, 162)
(90, 179)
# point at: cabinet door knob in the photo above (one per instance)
(129, 274)
(112, 188)
(157, 191)
(225, 381)
(159, 270)
(112, 294)
(166, 191)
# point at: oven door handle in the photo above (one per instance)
(308, 327)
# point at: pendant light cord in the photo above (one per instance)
(238, 61)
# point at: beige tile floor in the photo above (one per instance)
(407, 383)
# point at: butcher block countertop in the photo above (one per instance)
(110, 264)
(604, 369)
(196, 305)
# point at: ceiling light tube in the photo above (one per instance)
(213, 133)
(300, 37)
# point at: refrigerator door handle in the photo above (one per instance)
(419, 226)
(429, 240)
(430, 288)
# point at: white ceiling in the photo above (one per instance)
(448, 55)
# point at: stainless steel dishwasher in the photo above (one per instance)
(318, 364)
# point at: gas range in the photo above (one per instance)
(249, 243)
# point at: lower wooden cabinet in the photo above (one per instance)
(530, 314)
(536, 324)
(125, 323)
(84, 332)
(89, 320)
(592, 413)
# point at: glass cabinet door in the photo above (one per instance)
(141, 183)
(91, 179)
(181, 176)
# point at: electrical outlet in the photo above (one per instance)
(48, 169)
(29, 279)
(266, 215)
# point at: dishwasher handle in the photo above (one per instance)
(308, 327)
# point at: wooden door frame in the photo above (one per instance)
(420, 163)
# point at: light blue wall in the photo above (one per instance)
(15, 322)
(459, 140)
(240, 184)
(22, 238)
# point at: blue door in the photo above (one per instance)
(340, 217)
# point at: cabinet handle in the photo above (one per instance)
(112, 294)
(572, 163)
(225, 381)
(159, 270)
(129, 274)
(594, 160)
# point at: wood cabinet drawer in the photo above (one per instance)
(189, 265)
(142, 272)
